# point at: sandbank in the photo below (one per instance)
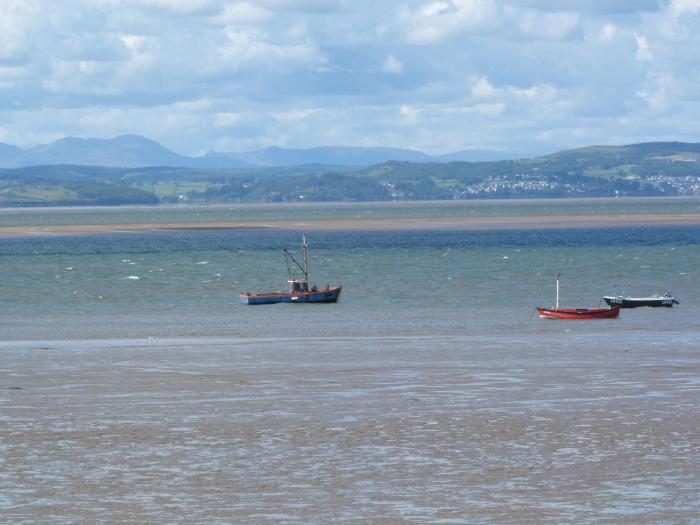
(455, 223)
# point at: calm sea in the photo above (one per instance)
(179, 283)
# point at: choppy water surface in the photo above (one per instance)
(424, 283)
(135, 388)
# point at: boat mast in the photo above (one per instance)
(306, 261)
(558, 274)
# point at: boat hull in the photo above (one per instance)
(579, 313)
(329, 295)
(636, 302)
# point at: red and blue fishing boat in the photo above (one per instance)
(299, 290)
(576, 313)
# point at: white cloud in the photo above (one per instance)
(409, 115)
(660, 94)
(195, 106)
(12, 72)
(18, 27)
(295, 115)
(607, 32)
(683, 7)
(482, 88)
(490, 110)
(310, 6)
(202, 73)
(81, 77)
(105, 119)
(435, 8)
(543, 92)
(226, 120)
(643, 53)
(251, 48)
(392, 65)
(591, 7)
(242, 13)
(135, 43)
(544, 136)
(186, 7)
(436, 20)
(555, 26)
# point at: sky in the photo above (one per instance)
(438, 76)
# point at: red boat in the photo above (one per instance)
(576, 313)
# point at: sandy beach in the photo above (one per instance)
(460, 223)
(368, 430)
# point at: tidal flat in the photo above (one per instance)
(574, 428)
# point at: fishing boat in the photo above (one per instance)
(635, 302)
(299, 290)
(576, 313)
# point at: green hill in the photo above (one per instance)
(646, 169)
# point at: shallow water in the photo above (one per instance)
(441, 429)
(338, 211)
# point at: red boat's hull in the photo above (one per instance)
(578, 313)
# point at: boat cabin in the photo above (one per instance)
(298, 286)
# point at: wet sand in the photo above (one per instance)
(562, 429)
(458, 223)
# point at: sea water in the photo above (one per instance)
(260, 213)
(395, 282)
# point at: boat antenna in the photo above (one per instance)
(306, 260)
(557, 306)
(287, 257)
(304, 269)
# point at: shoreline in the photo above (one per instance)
(461, 223)
(333, 204)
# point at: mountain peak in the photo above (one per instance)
(124, 151)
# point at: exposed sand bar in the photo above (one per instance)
(457, 223)
(595, 429)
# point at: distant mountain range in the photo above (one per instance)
(125, 151)
(135, 151)
(646, 169)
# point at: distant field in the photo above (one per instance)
(171, 189)
(446, 183)
(617, 171)
(36, 194)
